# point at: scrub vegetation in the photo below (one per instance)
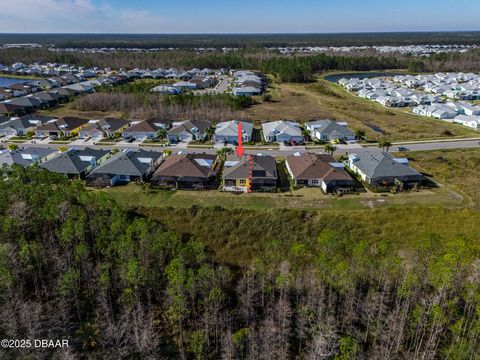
(213, 283)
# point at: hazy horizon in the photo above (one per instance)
(249, 17)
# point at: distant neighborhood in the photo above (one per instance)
(444, 96)
(56, 83)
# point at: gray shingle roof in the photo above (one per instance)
(200, 125)
(236, 168)
(376, 163)
(332, 128)
(73, 161)
(24, 156)
(132, 163)
(281, 127)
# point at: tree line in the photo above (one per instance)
(74, 265)
(287, 68)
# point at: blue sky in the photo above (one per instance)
(247, 16)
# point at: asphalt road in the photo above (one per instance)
(341, 149)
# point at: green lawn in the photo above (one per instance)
(305, 198)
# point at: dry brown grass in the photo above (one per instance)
(459, 168)
(322, 99)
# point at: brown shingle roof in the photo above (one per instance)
(315, 166)
(186, 165)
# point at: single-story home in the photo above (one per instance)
(189, 130)
(98, 129)
(247, 91)
(379, 168)
(318, 170)
(227, 132)
(124, 167)
(26, 156)
(187, 171)
(68, 126)
(147, 129)
(239, 177)
(282, 131)
(328, 130)
(76, 163)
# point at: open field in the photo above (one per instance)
(323, 99)
(66, 110)
(458, 168)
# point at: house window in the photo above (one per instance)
(314, 181)
(243, 181)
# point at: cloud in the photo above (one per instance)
(75, 16)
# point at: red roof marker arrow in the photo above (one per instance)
(239, 149)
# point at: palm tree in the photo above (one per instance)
(306, 133)
(223, 152)
(384, 144)
(209, 132)
(167, 153)
(329, 148)
(12, 147)
(360, 134)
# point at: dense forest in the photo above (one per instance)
(146, 41)
(287, 68)
(119, 284)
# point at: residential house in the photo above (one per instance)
(9, 109)
(378, 168)
(30, 103)
(124, 167)
(247, 91)
(239, 177)
(470, 121)
(50, 98)
(147, 129)
(282, 131)
(99, 129)
(185, 85)
(328, 130)
(227, 132)
(318, 170)
(21, 126)
(166, 90)
(189, 130)
(26, 156)
(68, 126)
(187, 171)
(76, 163)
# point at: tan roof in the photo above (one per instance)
(186, 165)
(315, 166)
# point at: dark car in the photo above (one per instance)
(402, 148)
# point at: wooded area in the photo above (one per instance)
(145, 41)
(120, 285)
(216, 108)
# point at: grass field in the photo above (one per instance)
(306, 198)
(236, 227)
(325, 100)
(458, 168)
(66, 110)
